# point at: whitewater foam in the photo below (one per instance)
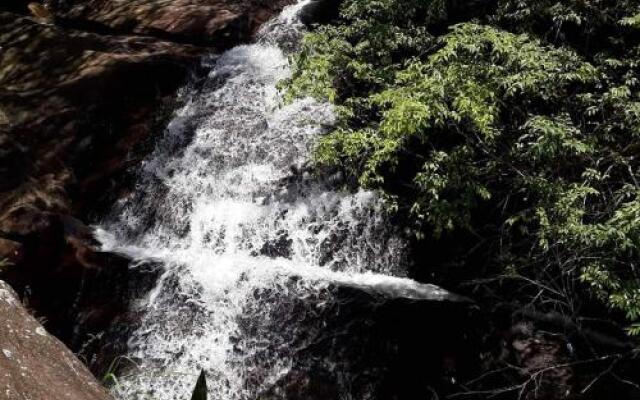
(224, 204)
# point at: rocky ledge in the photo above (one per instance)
(35, 365)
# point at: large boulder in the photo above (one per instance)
(35, 365)
(386, 339)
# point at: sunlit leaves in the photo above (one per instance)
(552, 138)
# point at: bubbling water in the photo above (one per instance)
(224, 203)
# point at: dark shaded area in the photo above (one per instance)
(353, 342)
(320, 11)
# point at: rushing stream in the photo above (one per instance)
(249, 242)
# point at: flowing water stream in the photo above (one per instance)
(243, 233)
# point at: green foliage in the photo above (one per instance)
(632, 21)
(495, 128)
(588, 25)
(4, 263)
(364, 52)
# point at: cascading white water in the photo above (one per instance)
(240, 229)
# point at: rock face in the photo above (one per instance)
(33, 364)
(83, 85)
(375, 342)
(211, 22)
(75, 103)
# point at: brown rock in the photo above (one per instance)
(69, 97)
(218, 23)
(55, 264)
(531, 352)
(10, 251)
(33, 364)
(40, 12)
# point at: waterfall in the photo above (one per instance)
(244, 232)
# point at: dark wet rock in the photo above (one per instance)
(360, 341)
(320, 11)
(106, 317)
(218, 23)
(57, 268)
(532, 351)
(303, 385)
(35, 365)
(10, 251)
(74, 104)
(278, 247)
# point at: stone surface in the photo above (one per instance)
(375, 342)
(73, 104)
(35, 365)
(211, 22)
